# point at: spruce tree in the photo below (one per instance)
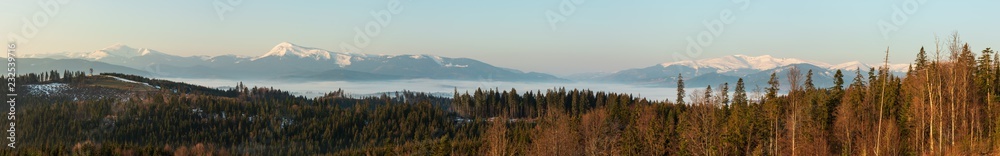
(858, 80)
(984, 65)
(921, 59)
(67, 76)
(996, 70)
(871, 76)
(708, 94)
(838, 81)
(772, 91)
(809, 80)
(740, 96)
(680, 89)
(725, 93)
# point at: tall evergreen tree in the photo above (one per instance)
(680, 89)
(996, 70)
(966, 57)
(740, 96)
(921, 59)
(858, 80)
(67, 76)
(871, 76)
(838, 81)
(725, 93)
(809, 80)
(708, 93)
(772, 91)
(985, 64)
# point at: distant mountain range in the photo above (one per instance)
(291, 62)
(755, 70)
(287, 61)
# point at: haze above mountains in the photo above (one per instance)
(291, 62)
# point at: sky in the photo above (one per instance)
(552, 36)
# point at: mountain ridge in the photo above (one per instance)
(287, 58)
(711, 71)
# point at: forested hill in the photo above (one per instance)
(945, 106)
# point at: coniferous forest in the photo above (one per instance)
(946, 104)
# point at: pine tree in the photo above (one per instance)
(984, 76)
(838, 81)
(513, 103)
(921, 59)
(725, 93)
(835, 97)
(680, 89)
(858, 80)
(871, 76)
(996, 72)
(809, 80)
(984, 66)
(740, 96)
(774, 111)
(772, 91)
(708, 94)
(67, 76)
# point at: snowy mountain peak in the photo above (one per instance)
(765, 62)
(290, 50)
(287, 49)
(733, 62)
(855, 65)
(850, 66)
(117, 50)
(287, 45)
(116, 46)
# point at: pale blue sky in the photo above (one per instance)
(600, 35)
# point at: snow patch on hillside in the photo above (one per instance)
(455, 66)
(130, 81)
(46, 89)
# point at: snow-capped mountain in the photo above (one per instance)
(120, 51)
(116, 51)
(285, 49)
(855, 65)
(290, 61)
(730, 68)
(123, 55)
(737, 62)
(289, 50)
